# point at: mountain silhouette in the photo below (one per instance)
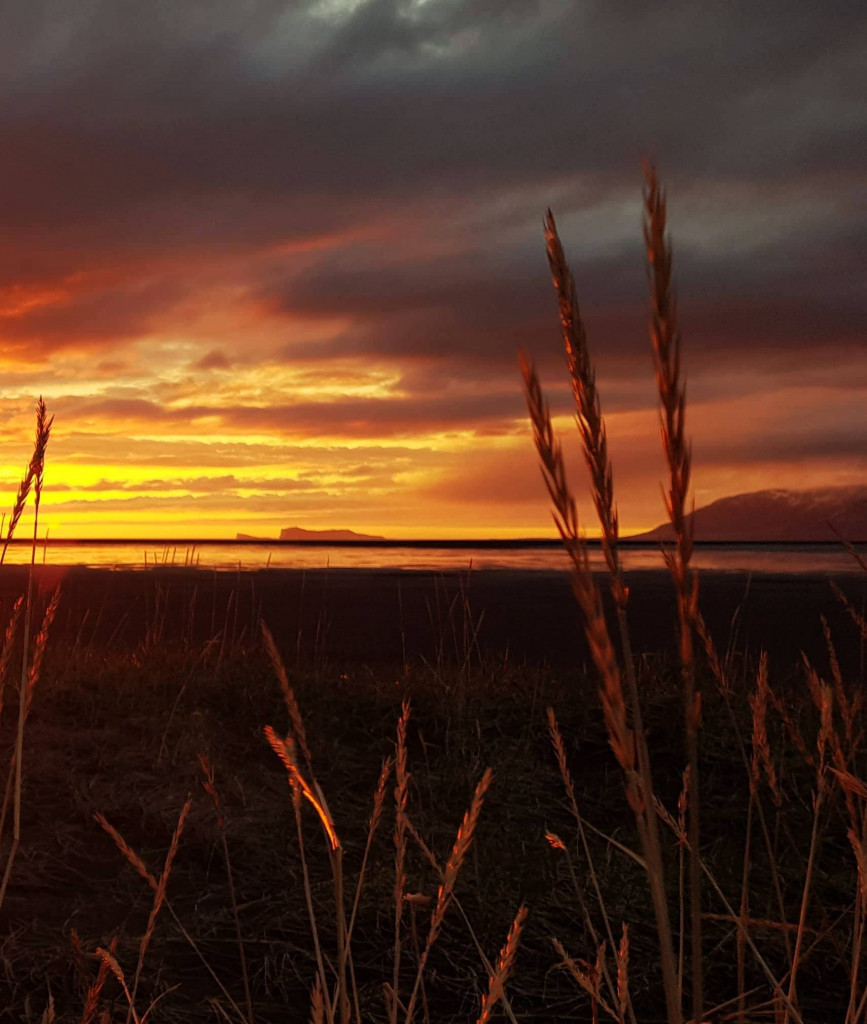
(779, 515)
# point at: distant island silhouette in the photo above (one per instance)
(299, 533)
(779, 515)
(818, 515)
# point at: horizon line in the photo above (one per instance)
(638, 540)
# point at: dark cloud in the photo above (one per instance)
(153, 135)
(375, 417)
(791, 442)
(163, 118)
(216, 359)
(103, 314)
(342, 418)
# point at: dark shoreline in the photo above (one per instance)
(378, 616)
(508, 543)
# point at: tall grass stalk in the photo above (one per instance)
(505, 962)
(94, 990)
(343, 955)
(158, 901)
(665, 339)
(6, 651)
(136, 862)
(621, 736)
(292, 706)
(111, 962)
(33, 673)
(401, 796)
(373, 825)
(824, 738)
(310, 791)
(36, 471)
(33, 477)
(328, 1005)
(591, 425)
(418, 898)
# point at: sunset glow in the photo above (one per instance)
(293, 298)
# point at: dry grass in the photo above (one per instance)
(628, 743)
(505, 963)
(515, 863)
(665, 340)
(33, 479)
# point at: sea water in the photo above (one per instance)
(795, 559)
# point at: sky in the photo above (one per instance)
(271, 263)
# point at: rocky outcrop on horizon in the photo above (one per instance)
(779, 515)
(298, 533)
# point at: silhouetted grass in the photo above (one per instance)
(125, 743)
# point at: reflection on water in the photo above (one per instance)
(795, 559)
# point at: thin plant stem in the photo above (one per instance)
(805, 895)
(159, 900)
(744, 910)
(566, 776)
(211, 788)
(665, 338)
(859, 847)
(734, 917)
(308, 896)
(445, 893)
(486, 963)
(342, 945)
(720, 673)
(401, 795)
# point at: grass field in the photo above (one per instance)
(120, 734)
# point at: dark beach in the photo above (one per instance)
(380, 617)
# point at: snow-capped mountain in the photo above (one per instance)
(778, 515)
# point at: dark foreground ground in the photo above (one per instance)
(147, 671)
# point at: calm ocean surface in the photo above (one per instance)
(794, 559)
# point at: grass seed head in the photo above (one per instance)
(505, 962)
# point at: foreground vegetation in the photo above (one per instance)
(123, 739)
(168, 872)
